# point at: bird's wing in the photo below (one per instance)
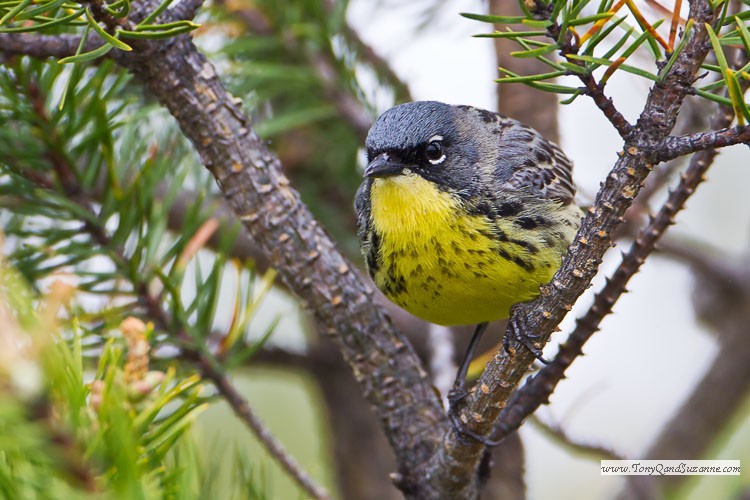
(537, 165)
(368, 240)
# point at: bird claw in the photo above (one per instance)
(517, 325)
(455, 396)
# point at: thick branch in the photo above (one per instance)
(539, 318)
(389, 371)
(185, 10)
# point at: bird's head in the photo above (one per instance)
(437, 141)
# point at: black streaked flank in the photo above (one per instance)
(372, 255)
(532, 222)
(525, 223)
(530, 247)
(524, 264)
(509, 209)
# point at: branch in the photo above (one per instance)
(70, 186)
(538, 388)
(310, 264)
(185, 10)
(591, 87)
(555, 431)
(379, 64)
(538, 318)
(45, 46)
(209, 369)
(701, 141)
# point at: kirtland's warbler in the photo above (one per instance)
(463, 212)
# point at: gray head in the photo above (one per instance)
(444, 144)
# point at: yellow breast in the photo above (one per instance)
(446, 266)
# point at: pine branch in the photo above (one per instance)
(391, 374)
(192, 349)
(538, 318)
(538, 388)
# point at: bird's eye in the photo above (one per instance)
(434, 152)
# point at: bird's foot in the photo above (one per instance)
(455, 396)
(516, 332)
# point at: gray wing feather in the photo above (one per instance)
(526, 161)
(539, 165)
(368, 240)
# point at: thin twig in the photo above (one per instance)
(45, 46)
(701, 141)
(592, 88)
(558, 434)
(378, 63)
(212, 371)
(644, 489)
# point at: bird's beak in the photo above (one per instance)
(384, 166)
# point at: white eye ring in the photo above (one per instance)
(435, 140)
(438, 161)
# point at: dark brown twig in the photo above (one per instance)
(558, 434)
(701, 141)
(591, 87)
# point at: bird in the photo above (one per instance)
(463, 213)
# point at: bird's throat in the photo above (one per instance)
(409, 206)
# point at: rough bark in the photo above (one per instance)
(250, 177)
